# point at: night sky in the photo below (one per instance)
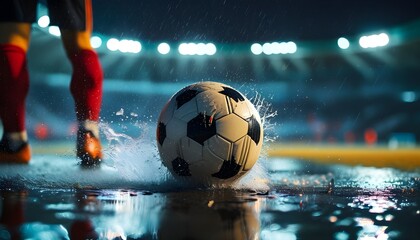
(240, 21)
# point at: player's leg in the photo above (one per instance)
(75, 21)
(15, 28)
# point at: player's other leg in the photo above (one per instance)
(14, 86)
(75, 21)
(86, 89)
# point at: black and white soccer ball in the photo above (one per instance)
(210, 133)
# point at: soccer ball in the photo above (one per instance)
(210, 133)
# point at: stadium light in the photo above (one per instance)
(343, 43)
(363, 42)
(129, 46)
(182, 49)
(54, 30)
(44, 21)
(163, 48)
(191, 48)
(124, 45)
(274, 48)
(95, 41)
(283, 48)
(267, 48)
(112, 44)
(201, 49)
(211, 49)
(373, 41)
(135, 46)
(291, 47)
(383, 39)
(256, 48)
(197, 49)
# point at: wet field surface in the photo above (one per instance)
(291, 200)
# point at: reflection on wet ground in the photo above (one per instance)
(305, 201)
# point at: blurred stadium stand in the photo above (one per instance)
(322, 93)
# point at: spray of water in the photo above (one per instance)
(137, 159)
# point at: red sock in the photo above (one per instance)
(86, 85)
(14, 86)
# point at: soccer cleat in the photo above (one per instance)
(21, 155)
(88, 148)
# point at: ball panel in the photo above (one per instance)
(168, 151)
(257, 119)
(254, 129)
(187, 111)
(167, 112)
(161, 133)
(190, 150)
(181, 167)
(219, 147)
(201, 128)
(246, 152)
(254, 111)
(241, 150)
(207, 85)
(213, 104)
(232, 93)
(231, 127)
(241, 109)
(176, 129)
(253, 154)
(185, 96)
(211, 163)
(228, 169)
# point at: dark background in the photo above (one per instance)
(237, 21)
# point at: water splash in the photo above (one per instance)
(267, 114)
(137, 158)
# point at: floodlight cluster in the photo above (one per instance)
(197, 49)
(124, 45)
(274, 48)
(373, 41)
(200, 49)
